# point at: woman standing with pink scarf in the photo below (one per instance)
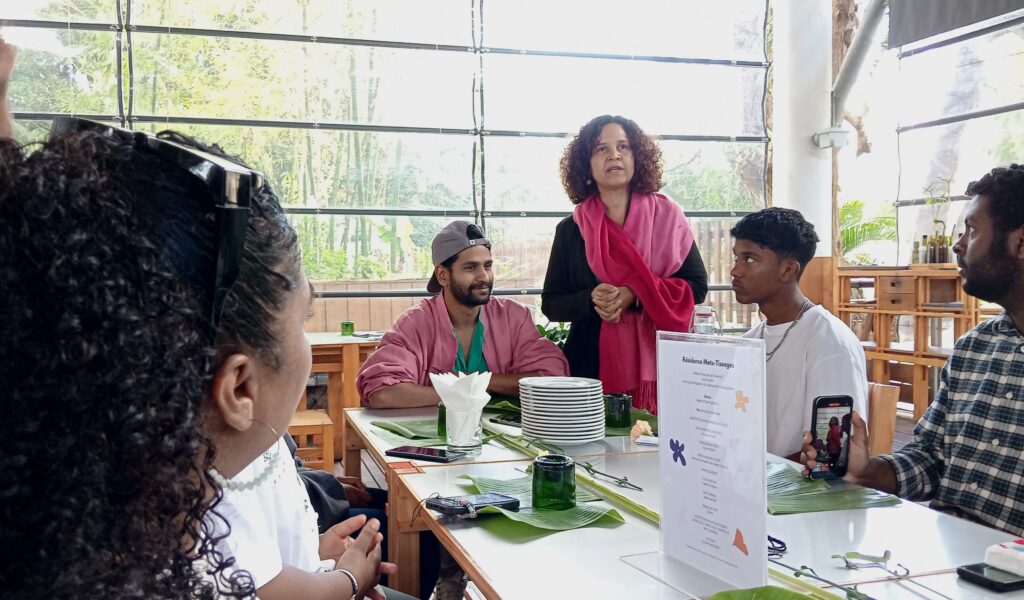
(625, 264)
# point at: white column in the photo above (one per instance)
(801, 172)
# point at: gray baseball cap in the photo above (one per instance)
(449, 242)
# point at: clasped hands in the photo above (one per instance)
(360, 556)
(611, 301)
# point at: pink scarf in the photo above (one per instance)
(642, 255)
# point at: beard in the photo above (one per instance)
(465, 294)
(994, 275)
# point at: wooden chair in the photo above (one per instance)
(313, 431)
(882, 400)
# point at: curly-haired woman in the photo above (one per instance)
(625, 264)
(152, 313)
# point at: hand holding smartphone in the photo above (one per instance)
(420, 453)
(831, 426)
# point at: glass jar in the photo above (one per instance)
(704, 320)
(348, 328)
(554, 482)
(464, 431)
(616, 410)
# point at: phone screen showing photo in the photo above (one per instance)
(832, 427)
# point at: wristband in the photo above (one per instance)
(352, 580)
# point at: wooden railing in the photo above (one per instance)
(519, 266)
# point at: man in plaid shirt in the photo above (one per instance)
(967, 449)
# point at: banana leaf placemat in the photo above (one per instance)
(583, 514)
(789, 493)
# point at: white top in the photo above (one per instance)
(820, 357)
(272, 523)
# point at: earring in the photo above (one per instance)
(268, 426)
(589, 181)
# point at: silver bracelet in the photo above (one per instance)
(352, 580)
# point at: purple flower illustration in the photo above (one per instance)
(677, 451)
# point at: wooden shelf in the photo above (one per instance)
(903, 292)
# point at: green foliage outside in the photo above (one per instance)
(186, 76)
(855, 232)
(248, 79)
(736, 185)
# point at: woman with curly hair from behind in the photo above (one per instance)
(152, 311)
(625, 264)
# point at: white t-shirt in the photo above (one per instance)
(820, 357)
(272, 523)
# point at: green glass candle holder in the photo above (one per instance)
(348, 328)
(554, 482)
(617, 410)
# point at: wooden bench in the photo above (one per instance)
(313, 431)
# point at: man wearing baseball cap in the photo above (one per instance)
(461, 329)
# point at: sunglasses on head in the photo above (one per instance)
(230, 184)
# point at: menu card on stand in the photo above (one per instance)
(711, 421)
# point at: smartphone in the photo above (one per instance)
(991, 577)
(513, 419)
(831, 425)
(419, 453)
(459, 505)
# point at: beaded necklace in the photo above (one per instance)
(270, 458)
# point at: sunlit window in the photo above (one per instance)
(378, 122)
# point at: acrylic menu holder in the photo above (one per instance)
(711, 415)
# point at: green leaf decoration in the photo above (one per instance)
(581, 515)
(561, 520)
(782, 480)
(878, 560)
(409, 433)
(768, 592)
(501, 404)
(608, 492)
(396, 440)
(604, 490)
(521, 488)
(414, 430)
(789, 492)
(635, 414)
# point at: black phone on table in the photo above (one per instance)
(420, 453)
(991, 577)
(831, 426)
(459, 505)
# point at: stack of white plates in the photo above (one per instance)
(562, 410)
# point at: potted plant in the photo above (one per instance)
(556, 332)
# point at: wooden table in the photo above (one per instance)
(405, 520)
(587, 562)
(340, 356)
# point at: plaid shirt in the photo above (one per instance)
(968, 448)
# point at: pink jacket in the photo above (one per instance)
(422, 342)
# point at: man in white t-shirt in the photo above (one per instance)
(809, 351)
